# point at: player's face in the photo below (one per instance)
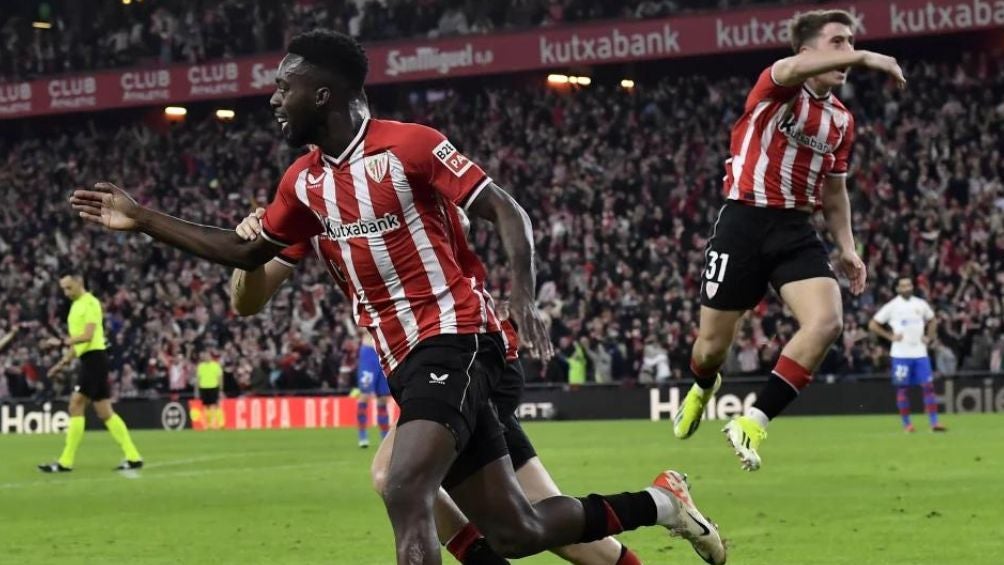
(295, 102)
(834, 37)
(905, 288)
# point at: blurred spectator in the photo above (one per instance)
(622, 188)
(98, 34)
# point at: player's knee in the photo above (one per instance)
(827, 329)
(378, 476)
(406, 499)
(710, 351)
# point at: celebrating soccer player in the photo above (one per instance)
(375, 195)
(912, 327)
(461, 538)
(789, 157)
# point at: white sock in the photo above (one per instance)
(758, 416)
(665, 505)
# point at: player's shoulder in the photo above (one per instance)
(393, 132)
(838, 104)
(311, 158)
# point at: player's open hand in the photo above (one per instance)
(532, 329)
(250, 227)
(854, 269)
(107, 205)
(886, 64)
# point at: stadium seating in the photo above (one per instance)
(622, 187)
(88, 35)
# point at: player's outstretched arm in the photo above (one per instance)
(251, 290)
(110, 206)
(794, 70)
(516, 231)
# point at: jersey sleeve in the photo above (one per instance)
(928, 312)
(434, 161)
(292, 255)
(766, 88)
(884, 314)
(842, 154)
(92, 312)
(287, 219)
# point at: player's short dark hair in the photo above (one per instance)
(333, 51)
(806, 26)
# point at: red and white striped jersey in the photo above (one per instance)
(379, 216)
(786, 143)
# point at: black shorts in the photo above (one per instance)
(449, 379)
(92, 379)
(752, 247)
(506, 397)
(209, 396)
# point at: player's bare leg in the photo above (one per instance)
(816, 305)
(453, 526)
(515, 527)
(454, 531)
(419, 463)
(714, 337)
(538, 485)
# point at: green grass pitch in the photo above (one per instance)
(835, 490)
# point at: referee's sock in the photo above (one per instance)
(117, 427)
(74, 435)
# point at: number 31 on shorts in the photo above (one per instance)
(717, 263)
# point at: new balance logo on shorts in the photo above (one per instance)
(435, 379)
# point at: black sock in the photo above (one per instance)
(702, 378)
(480, 553)
(775, 396)
(616, 513)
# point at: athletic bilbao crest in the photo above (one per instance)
(376, 166)
(711, 288)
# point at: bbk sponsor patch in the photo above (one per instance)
(453, 159)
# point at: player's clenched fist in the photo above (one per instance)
(250, 227)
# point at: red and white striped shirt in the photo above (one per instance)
(786, 143)
(380, 216)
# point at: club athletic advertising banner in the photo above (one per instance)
(543, 48)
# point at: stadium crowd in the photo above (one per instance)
(92, 34)
(622, 187)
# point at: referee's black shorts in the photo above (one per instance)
(751, 248)
(92, 378)
(209, 396)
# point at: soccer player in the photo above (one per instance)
(373, 195)
(462, 538)
(789, 158)
(372, 384)
(912, 326)
(209, 374)
(86, 341)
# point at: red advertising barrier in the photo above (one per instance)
(589, 44)
(283, 412)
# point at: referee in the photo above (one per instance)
(210, 376)
(86, 341)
